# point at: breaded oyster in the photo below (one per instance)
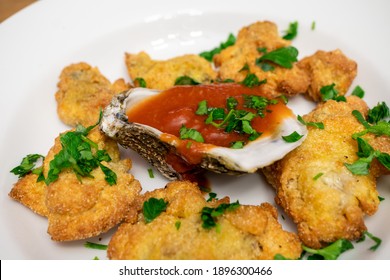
(162, 74)
(325, 68)
(315, 188)
(82, 92)
(264, 36)
(80, 208)
(247, 232)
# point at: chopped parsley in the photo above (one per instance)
(331, 252)
(315, 178)
(140, 82)
(313, 25)
(81, 155)
(284, 57)
(293, 137)
(190, 133)
(292, 31)
(28, 165)
(152, 208)
(377, 240)
(366, 155)
(230, 41)
(376, 124)
(177, 225)
(319, 125)
(97, 246)
(237, 145)
(212, 196)
(330, 93)
(378, 113)
(251, 80)
(209, 215)
(185, 80)
(358, 91)
(150, 172)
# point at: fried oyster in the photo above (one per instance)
(315, 188)
(327, 68)
(78, 209)
(248, 232)
(236, 61)
(82, 92)
(162, 74)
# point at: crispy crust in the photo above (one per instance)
(249, 232)
(245, 52)
(332, 206)
(78, 210)
(82, 92)
(161, 74)
(325, 68)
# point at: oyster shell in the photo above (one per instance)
(147, 142)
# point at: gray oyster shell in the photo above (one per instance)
(145, 140)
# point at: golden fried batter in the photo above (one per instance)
(245, 52)
(326, 68)
(162, 74)
(249, 232)
(78, 210)
(324, 199)
(82, 92)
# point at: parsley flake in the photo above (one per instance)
(97, 246)
(190, 133)
(358, 91)
(185, 80)
(292, 31)
(230, 41)
(284, 57)
(330, 93)
(331, 252)
(209, 215)
(319, 125)
(27, 165)
(140, 82)
(293, 137)
(152, 208)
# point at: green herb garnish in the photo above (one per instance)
(209, 215)
(377, 240)
(330, 93)
(28, 165)
(284, 57)
(293, 137)
(331, 252)
(81, 155)
(378, 113)
(177, 225)
(313, 25)
(185, 80)
(237, 145)
(153, 207)
(190, 133)
(97, 246)
(358, 91)
(251, 80)
(315, 178)
(212, 196)
(140, 81)
(292, 31)
(366, 154)
(150, 172)
(319, 125)
(231, 40)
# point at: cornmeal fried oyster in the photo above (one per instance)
(82, 92)
(327, 68)
(162, 74)
(325, 199)
(247, 232)
(236, 61)
(80, 208)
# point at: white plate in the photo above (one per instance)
(38, 42)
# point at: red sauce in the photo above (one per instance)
(175, 107)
